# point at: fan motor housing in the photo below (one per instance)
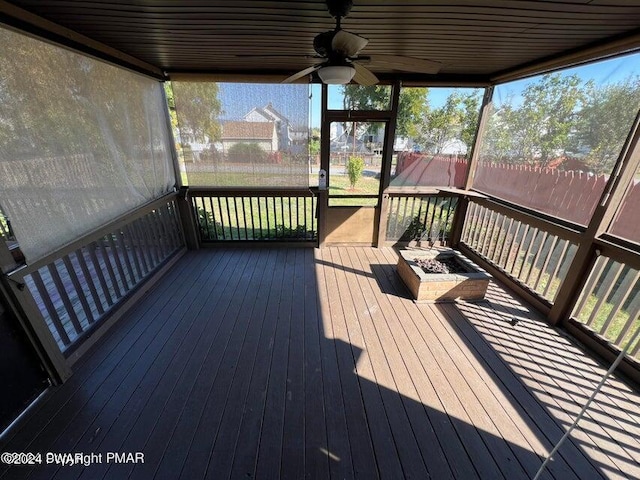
(322, 43)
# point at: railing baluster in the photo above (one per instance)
(525, 247)
(78, 288)
(520, 242)
(556, 269)
(50, 308)
(634, 310)
(468, 221)
(89, 280)
(118, 262)
(64, 296)
(590, 285)
(538, 250)
(110, 272)
(495, 238)
(244, 218)
(260, 217)
(97, 268)
(156, 235)
(143, 251)
(619, 298)
(290, 218)
(607, 285)
(504, 242)
(130, 243)
(268, 217)
(149, 249)
(488, 232)
(253, 227)
(554, 241)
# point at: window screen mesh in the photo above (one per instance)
(242, 135)
(81, 142)
(552, 140)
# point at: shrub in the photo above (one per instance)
(246, 152)
(355, 167)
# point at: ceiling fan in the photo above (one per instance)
(340, 51)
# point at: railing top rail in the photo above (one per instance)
(619, 250)
(430, 191)
(252, 192)
(100, 232)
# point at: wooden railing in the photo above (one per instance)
(609, 305)
(420, 217)
(79, 285)
(230, 215)
(531, 251)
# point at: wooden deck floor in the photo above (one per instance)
(301, 363)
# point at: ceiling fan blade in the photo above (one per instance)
(302, 73)
(408, 64)
(364, 76)
(278, 55)
(348, 43)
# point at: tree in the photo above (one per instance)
(455, 120)
(604, 122)
(314, 141)
(355, 167)
(538, 128)
(546, 117)
(378, 97)
(197, 108)
(440, 125)
(469, 122)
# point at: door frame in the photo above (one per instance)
(385, 116)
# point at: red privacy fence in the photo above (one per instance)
(417, 169)
(571, 195)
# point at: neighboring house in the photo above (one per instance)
(282, 124)
(261, 133)
(299, 139)
(454, 146)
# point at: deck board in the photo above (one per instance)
(301, 363)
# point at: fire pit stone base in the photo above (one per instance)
(470, 284)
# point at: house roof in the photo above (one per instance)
(269, 113)
(247, 130)
(475, 41)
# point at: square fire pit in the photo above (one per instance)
(470, 283)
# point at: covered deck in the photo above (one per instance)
(315, 363)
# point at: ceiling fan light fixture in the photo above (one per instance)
(336, 74)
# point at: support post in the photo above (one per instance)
(23, 307)
(325, 145)
(187, 219)
(463, 201)
(485, 111)
(385, 173)
(610, 201)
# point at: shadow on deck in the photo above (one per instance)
(301, 363)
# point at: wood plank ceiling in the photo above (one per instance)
(475, 40)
